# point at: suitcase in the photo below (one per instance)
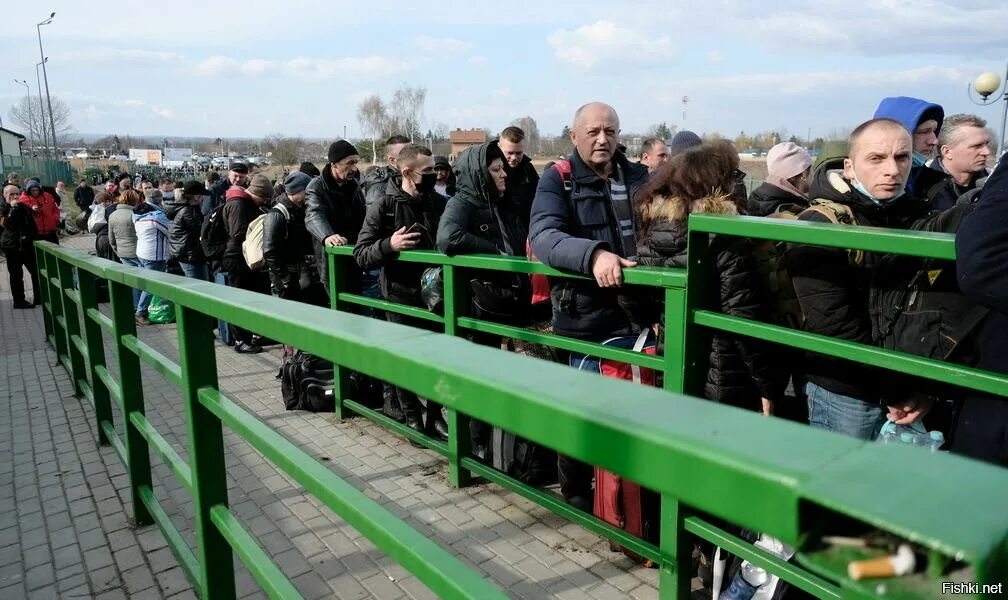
(619, 501)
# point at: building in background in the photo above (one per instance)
(10, 142)
(463, 138)
(145, 157)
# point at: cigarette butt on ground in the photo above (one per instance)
(901, 563)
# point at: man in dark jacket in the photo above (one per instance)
(241, 207)
(405, 218)
(981, 430)
(374, 182)
(84, 195)
(586, 225)
(833, 285)
(334, 204)
(961, 165)
(287, 244)
(184, 235)
(522, 177)
(16, 237)
(238, 175)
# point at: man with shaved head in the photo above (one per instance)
(582, 221)
(867, 188)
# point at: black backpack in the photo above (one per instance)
(213, 234)
(306, 383)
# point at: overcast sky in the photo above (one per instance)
(201, 68)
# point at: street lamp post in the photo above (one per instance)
(52, 124)
(31, 119)
(987, 85)
(45, 136)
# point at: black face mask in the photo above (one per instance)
(427, 182)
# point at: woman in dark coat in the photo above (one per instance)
(700, 180)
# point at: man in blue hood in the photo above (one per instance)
(923, 120)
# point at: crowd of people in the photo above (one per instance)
(598, 213)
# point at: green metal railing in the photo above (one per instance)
(710, 464)
(688, 323)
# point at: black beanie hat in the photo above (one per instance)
(309, 168)
(340, 150)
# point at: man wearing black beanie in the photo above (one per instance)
(334, 204)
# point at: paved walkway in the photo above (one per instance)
(64, 501)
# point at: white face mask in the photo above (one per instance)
(864, 191)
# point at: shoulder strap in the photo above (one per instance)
(283, 210)
(563, 167)
(838, 214)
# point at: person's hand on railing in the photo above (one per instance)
(767, 406)
(608, 268)
(335, 240)
(404, 241)
(910, 411)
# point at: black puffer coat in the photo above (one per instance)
(184, 235)
(765, 199)
(332, 207)
(741, 370)
(477, 220)
(286, 243)
(521, 186)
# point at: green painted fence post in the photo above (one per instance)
(198, 360)
(42, 276)
(459, 442)
(696, 340)
(71, 316)
(56, 302)
(131, 386)
(341, 376)
(94, 342)
(676, 552)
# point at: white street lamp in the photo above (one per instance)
(986, 85)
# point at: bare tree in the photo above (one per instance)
(531, 129)
(373, 118)
(406, 110)
(31, 117)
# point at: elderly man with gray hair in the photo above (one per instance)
(961, 164)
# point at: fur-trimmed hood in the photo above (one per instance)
(663, 226)
(664, 208)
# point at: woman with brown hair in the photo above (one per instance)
(702, 180)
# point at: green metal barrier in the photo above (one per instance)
(711, 464)
(687, 324)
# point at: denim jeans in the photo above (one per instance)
(194, 271)
(843, 414)
(145, 296)
(133, 262)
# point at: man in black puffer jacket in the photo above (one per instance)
(184, 235)
(334, 204)
(287, 245)
(404, 218)
(833, 285)
(522, 177)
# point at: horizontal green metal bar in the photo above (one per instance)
(159, 362)
(873, 239)
(86, 390)
(564, 343)
(117, 444)
(54, 281)
(444, 574)
(562, 508)
(65, 361)
(397, 427)
(185, 556)
(52, 340)
(98, 317)
(259, 564)
(402, 309)
(73, 296)
(47, 306)
(901, 362)
(78, 343)
(111, 385)
(647, 276)
(61, 321)
(178, 466)
(790, 572)
(43, 273)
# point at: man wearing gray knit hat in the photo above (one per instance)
(334, 203)
(287, 244)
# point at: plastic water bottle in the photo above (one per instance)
(936, 440)
(911, 435)
(746, 582)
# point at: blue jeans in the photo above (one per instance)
(133, 262)
(145, 296)
(194, 271)
(843, 414)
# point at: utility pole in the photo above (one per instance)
(31, 119)
(45, 136)
(52, 124)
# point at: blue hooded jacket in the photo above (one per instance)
(911, 112)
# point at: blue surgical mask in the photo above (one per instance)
(919, 159)
(864, 192)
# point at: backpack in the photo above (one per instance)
(306, 383)
(252, 247)
(213, 234)
(540, 283)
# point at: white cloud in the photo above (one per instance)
(478, 61)
(714, 57)
(120, 57)
(165, 113)
(313, 69)
(503, 92)
(606, 41)
(445, 47)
